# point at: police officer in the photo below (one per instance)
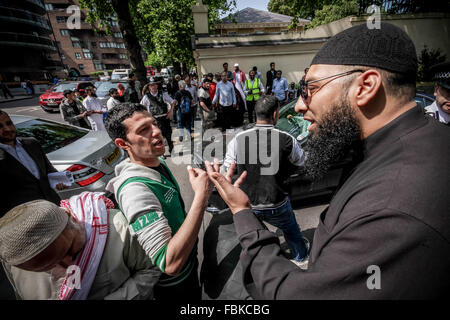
(253, 90)
(440, 108)
(157, 104)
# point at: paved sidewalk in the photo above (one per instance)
(16, 98)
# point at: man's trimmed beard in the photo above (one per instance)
(332, 138)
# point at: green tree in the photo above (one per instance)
(169, 26)
(304, 9)
(163, 28)
(331, 12)
(101, 14)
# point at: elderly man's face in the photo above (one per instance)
(62, 252)
(442, 98)
(8, 131)
(334, 125)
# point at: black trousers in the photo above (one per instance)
(166, 130)
(251, 110)
(226, 117)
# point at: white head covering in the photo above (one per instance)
(28, 229)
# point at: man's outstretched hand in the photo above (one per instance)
(234, 197)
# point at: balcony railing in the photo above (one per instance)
(26, 40)
(17, 15)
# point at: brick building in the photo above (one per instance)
(82, 50)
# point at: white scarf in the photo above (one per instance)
(90, 208)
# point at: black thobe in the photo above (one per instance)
(392, 212)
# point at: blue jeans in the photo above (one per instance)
(184, 121)
(283, 218)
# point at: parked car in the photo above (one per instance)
(51, 99)
(118, 74)
(423, 99)
(104, 87)
(90, 155)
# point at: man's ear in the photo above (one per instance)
(369, 84)
(122, 144)
(436, 88)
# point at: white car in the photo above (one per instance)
(90, 155)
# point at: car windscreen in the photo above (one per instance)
(51, 135)
(103, 88)
(64, 86)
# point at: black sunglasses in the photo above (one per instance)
(303, 85)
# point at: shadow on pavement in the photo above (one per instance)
(221, 271)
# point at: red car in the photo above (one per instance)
(51, 99)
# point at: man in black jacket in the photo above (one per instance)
(386, 232)
(24, 169)
(271, 74)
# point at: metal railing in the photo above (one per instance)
(23, 16)
(26, 39)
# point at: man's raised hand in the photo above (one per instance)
(234, 197)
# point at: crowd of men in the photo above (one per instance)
(390, 214)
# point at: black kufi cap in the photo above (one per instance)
(388, 48)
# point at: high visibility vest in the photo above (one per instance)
(255, 89)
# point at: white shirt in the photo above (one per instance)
(96, 119)
(225, 94)
(193, 91)
(21, 155)
(112, 102)
(437, 113)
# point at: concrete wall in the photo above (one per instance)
(293, 52)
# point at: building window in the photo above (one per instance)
(77, 55)
(64, 32)
(114, 23)
(123, 56)
(63, 56)
(88, 55)
(48, 6)
(98, 66)
(61, 19)
(121, 45)
(76, 44)
(81, 66)
(118, 35)
(58, 44)
(94, 44)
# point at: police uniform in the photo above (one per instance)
(441, 74)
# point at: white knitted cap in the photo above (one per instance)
(28, 229)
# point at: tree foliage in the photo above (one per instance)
(169, 25)
(164, 28)
(426, 59)
(331, 12)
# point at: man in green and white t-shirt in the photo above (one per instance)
(149, 197)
